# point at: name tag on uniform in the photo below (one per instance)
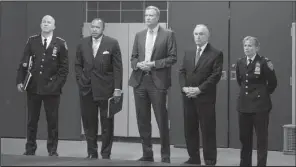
(54, 52)
(257, 68)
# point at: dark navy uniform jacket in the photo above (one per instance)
(50, 67)
(257, 82)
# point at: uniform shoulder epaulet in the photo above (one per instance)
(60, 38)
(269, 63)
(32, 36)
(65, 43)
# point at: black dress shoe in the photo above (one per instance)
(53, 154)
(106, 157)
(210, 162)
(29, 153)
(166, 160)
(150, 159)
(92, 156)
(192, 161)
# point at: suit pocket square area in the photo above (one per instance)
(106, 52)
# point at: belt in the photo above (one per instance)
(147, 72)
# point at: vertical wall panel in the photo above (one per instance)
(12, 43)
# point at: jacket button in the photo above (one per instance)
(246, 86)
(246, 74)
(247, 81)
(40, 72)
(246, 93)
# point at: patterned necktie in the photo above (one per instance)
(197, 56)
(45, 44)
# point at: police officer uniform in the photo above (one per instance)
(49, 70)
(257, 80)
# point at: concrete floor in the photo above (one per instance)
(129, 152)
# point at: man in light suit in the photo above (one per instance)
(154, 52)
(200, 72)
(98, 68)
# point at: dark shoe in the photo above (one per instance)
(29, 153)
(210, 162)
(92, 156)
(192, 161)
(106, 157)
(53, 154)
(150, 159)
(166, 160)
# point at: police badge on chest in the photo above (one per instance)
(54, 51)
(257, 68)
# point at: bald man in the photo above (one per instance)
(200, 72)
(49, 69)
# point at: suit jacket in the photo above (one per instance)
(257, 81)
(50, 67)
(164, 54)
(101, 74)
(205, 75)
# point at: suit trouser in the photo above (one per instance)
(259, 121)
(197, 113)
(145, 95)
(89, 113)
(51, 106)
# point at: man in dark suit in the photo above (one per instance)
(200, 72)
(49, 73)
(257, 80)
(98, 68)
(154, 52)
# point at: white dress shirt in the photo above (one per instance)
(252, 58)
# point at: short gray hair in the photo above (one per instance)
(254, 39)
(204, 26)
(154, 8)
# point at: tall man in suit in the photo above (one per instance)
(257, 80)
(98, 68)
(200, 72)
(49, 73)
(154, 52)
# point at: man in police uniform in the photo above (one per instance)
(49, 72)
(257, 80)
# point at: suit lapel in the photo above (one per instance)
(202, 56)
(157, 41)
(101, 47)
(89, 45)
(143, 43)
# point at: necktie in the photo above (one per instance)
(45, 44)
(95, 47)
(197, 56)
(250, 61)
(149, 45)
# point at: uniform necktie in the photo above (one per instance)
(250, 61)
(45, 44)
(197, 56)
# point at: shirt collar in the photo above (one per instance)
(202, 48)
(155, 29)
(252, 58)
(49, 38)
(97, 40)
